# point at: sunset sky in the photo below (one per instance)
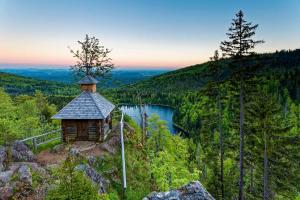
(141, 33)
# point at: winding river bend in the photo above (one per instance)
(165, 113)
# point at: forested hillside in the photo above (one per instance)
(16, 85)
(207, 106)
(283, 65)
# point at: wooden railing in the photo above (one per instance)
(43, 138)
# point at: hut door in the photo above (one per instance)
(82, 133)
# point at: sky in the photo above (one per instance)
(140, 33)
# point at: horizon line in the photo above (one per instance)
(126, 66)
(46, 66)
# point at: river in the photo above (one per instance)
(165, 113)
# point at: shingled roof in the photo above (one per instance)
(88, 80)
(87, 105)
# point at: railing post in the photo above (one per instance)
(34, 144)
(61, 136)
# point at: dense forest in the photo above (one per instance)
(24, 116)
(271, 121)
(282, 64)
(149, 163)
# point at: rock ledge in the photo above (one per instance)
(192, 191)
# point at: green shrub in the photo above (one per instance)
(72, 184)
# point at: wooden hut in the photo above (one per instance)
(88, 116)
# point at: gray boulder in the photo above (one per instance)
(20, 152)
(74, 152)
(6, 193)
(58, 148)
(112, 145)
(91, 160)
(96, 177)
(5, 177)
(81, 167)
(1, 167)
(33, 165)
(192, 191)
(3, 156)
(14, 166)
(25, 175)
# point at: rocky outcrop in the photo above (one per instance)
(91, 160)
(58, 148)
(25, 175)
(3, 156)
(20, 152)
(95, 177)
(74, 152)
(16, 161)
(5, 177)
(112, 144)
(191, 191)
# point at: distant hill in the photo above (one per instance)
(116, 78)
(188, 78)
(166, 88)
(193, 77)
(16, 85)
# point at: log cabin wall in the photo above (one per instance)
(84, 130)
(101, 130)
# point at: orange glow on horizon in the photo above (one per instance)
(152, 65)
(39, 58)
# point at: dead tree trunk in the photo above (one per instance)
(241, 181)
(266, 167)
(221, 144)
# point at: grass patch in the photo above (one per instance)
(37, 179)
(48, 145)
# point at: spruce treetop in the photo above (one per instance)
(240, 38)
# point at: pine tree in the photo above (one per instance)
(216, 72)
(238, 46)
(71, 183)
(7, 117)
(276, 149)
(168, 156)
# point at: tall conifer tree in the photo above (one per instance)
(216, 71)
(239, 44)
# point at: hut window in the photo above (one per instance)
(71, 132)
(92, 131)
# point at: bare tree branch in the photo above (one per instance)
(92, 58)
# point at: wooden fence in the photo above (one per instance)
(43, 138)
